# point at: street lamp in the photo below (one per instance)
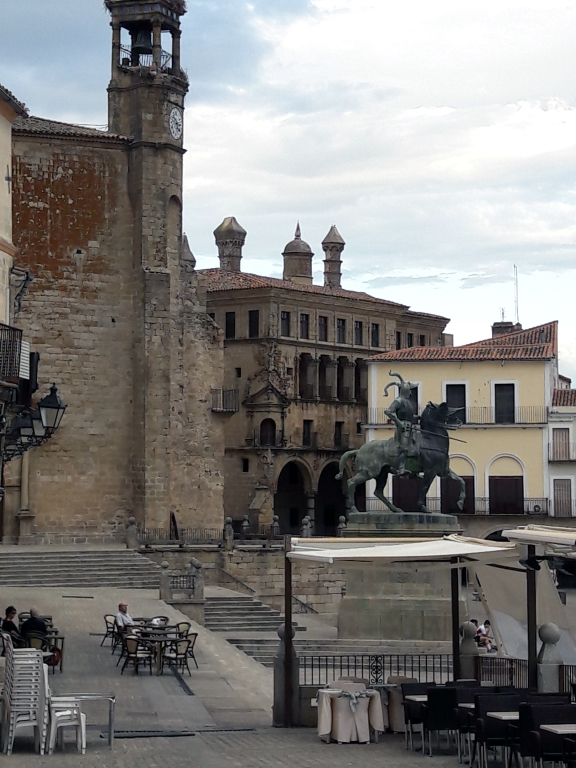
(51, 410)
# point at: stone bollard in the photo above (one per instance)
(245, 527)
(165, 591)
(198, 578)
(549, 659)
(131, 534)
(341, 527)
(468, 651)
(306, 528)
(275, 526)
(278, 708)
(228, 534)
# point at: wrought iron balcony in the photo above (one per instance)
(10, 352)
(482, 415)
(561, 452)
(128, 59)
(225, 400)
(482, 506)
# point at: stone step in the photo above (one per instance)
(240, 614)
(77, 568)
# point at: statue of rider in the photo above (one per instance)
(401, 412)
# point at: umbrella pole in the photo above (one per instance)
(531, 620)
(455, 600)
(288, 692)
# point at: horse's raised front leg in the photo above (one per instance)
(426, 483)
(381, 481)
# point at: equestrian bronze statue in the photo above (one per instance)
(416, 450)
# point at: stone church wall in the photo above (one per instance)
(72, 230)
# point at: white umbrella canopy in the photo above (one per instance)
(463, 548)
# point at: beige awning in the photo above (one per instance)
(542, 534)
(465, 549)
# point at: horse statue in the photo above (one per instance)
(425, 457)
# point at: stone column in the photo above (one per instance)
(115, 48)
(25, 516)
(468, 651)
(349, 366)
(331, 374)
(176, 35)
(313, 368)
(157, 45)
(311, 509)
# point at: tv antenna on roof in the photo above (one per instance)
(502, 314)
(516, 293)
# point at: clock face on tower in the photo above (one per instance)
(176, 123)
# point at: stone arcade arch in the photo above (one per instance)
(330, 501)
(291, 497)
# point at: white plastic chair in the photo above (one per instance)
(72, 717)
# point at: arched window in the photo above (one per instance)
(268, 432)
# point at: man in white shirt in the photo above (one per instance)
(123, 618)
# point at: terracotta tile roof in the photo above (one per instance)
(222, 280)
(10, 99)
(40, 126)
(564, 397)
(538, 343)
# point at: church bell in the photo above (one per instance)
(142, 42)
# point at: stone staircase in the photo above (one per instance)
(264, 650)
(240, 614)
(86, 569)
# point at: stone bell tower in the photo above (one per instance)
(174, 463)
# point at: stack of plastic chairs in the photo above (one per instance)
(65, 712)
(24, 697)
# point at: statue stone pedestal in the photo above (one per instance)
(408, 602)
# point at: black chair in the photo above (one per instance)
(543, 745)
(137, 652)
(439, 714)
(110, 631)
(490, 732)
(465, 695)
(413, 709)
(569, 753)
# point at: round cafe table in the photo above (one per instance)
(160, 639)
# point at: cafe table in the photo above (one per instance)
(467, 705)
(419, 698)
(506, 716)
(560, 729)
(160, 639)
(347, 716)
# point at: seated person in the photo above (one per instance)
(33, 624)
(123, 618)
(11, 628)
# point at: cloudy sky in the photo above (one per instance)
(438, 137)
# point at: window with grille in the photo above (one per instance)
(307, 433)
(230, 327)
(284, 323)
(358, 333)
(562, 498)
(375, 335)
(304, 326)
(422, 340)
(322, 328)
(398, 340)
(409, 339)
(341, 331)
(253, 324)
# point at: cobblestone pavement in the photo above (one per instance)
(263, 748)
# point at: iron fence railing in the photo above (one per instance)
(185, 536)
(502, 671)
(144, 59)
(320, 670)
(482, 506)
(481, 415)
(567, 677)
(561, 452)
(10, 351)
(184, 583)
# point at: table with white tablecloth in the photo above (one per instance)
(348, 716)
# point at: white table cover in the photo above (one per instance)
(346, 718)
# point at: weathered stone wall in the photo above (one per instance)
(319, 586)
(72, 229)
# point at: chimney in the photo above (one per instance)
(230, 237)
(333, 245)
(505, 326)
(298, 260)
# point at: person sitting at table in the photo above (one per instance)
(11, 628)
(123, 618)
(33, 624)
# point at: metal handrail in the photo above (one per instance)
(237, 581)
